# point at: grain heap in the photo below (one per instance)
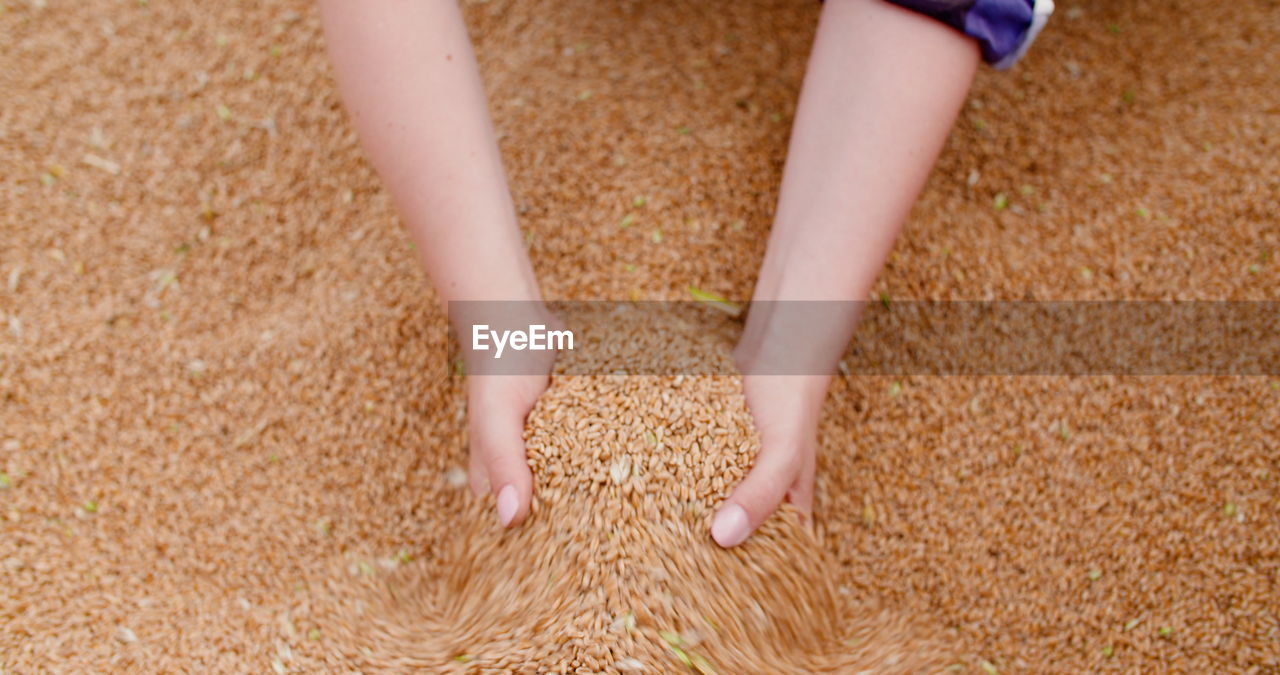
(614, 571)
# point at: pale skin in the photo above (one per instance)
(882, 89)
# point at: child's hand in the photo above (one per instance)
(871, 119)
(497, 406)
(785, 410)
(409, 77)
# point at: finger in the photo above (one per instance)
(756, 497)
(507, 467)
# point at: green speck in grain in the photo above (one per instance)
(676, 644)
(224, 113)
(1094, 574)
(1001, 201)
(682, 130)
(90, 506)
(1230, 509)
(1108, 651)
(1165, 631)
(627, 220)
(717, 301)
(639, 201)
(313, 634)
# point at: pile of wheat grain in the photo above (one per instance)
(615, 570)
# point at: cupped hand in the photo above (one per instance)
(785, 409)
(497, 406)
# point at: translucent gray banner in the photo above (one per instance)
(891, 338)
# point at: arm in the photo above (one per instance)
(408, 76)
(409, 79)
(882, 90)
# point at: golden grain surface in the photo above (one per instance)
(226, 429)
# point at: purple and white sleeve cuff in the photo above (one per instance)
(1005, 29)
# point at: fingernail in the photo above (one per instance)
(508, 502)
(730, 527)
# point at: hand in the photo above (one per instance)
(786, 411)
(409, 77)
(497, 406)
(870, 121)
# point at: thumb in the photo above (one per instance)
(756, 497)
(501, 452)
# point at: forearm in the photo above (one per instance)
(880, 95)
(408, 77)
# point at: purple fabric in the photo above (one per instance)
(999, 26)
(950, 12)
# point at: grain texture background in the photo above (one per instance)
(222, 401)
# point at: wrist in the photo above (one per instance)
(501, 337)
(797, 337)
